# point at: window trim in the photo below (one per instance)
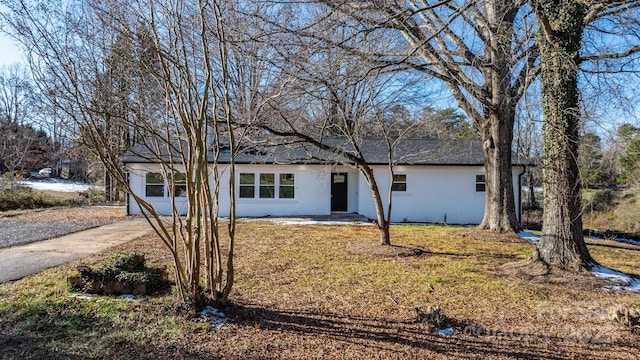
(261, 187)
(396, 183)
(481, 182)
(158, 184)
(176, 183)
(291, 186)
(251, 186)
(268, 185)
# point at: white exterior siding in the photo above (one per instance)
(312, 184)
(311, 189)
(431, 192)
(137, 179)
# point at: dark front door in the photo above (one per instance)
(339, 191)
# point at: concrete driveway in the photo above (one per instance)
(20, 261)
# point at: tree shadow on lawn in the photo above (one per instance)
(368, 248)
(380, 337)
(55, 332)
(613, 246)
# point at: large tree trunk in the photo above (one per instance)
(496, 126)
(562, 244)
(499, 208)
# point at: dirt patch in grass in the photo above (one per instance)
(325, 292)
(534, 272)
(374, 249)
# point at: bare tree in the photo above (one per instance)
(335, 100)
(183, 114)
(483, 51)
(527, 142)
(16, 100)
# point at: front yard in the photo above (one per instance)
(327, 292)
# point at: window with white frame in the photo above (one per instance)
(154, 185)
(267, 186)
(179, 183)
(480, 183)
(247, 185)
(287, 186)
(399, 182)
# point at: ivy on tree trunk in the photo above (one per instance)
(561, 24)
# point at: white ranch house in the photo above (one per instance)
(434, 180)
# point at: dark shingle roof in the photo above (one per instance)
(375, 151)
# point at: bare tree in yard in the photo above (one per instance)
(562, 24)
(334, 100)
(485, 53)
(182, 111)
(16, 101)
(114, 88)
(527, 143)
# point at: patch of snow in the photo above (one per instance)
(317, 222)
(213, 316)
(57, 185)
(129, 297)
(622, 240)
(628, 241)
(83, 296)
(535, 239)
(446, 332)
(624, 281)
(531, 238)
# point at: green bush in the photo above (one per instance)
(129, 270)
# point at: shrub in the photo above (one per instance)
(120, 274)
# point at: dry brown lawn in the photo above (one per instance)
(328, 292)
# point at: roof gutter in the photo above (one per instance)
(519, 212)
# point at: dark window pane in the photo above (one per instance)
(154, 190)
(267, 191)
(180, 190)
(480, 183)
(287, 192)
(247, 192)
(179, 185)
(399, 182)
(154, 185)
